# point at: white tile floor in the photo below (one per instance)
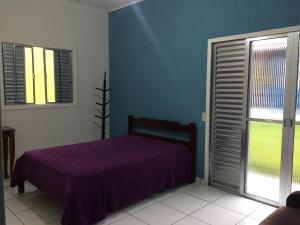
(193, 204)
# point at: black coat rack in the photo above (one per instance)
(103, 104)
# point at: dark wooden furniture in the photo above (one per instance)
(8, 137)
(104, 104)
(289, 215)
(165, 125)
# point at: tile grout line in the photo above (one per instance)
(18, 219)
(28, 209)
(182, 211)
(15, 215)
(127, 215)
(180, 219)
(140, 219)
(235, 210)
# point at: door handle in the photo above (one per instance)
(288, 122)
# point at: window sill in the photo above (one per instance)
(46, 106)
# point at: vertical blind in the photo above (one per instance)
(13, 58)
(227, 114)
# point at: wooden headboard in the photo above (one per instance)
(165, 125)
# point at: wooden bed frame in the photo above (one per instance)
(189, 129)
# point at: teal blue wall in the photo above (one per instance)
(158, 52)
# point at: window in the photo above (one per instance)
(35, 75)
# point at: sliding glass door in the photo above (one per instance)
(267, 76)
(255, 116)
(272, 152)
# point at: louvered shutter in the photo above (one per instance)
(63, 76)
(57, 76)
(66, 76)
(227, 114)
(20, 73)
(13, 73)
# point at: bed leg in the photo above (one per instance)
(193, 176)
(193, 180)
(21, 188)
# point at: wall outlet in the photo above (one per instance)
(204, 116)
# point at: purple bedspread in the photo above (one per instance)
(94, 178)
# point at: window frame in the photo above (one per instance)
(5, 107)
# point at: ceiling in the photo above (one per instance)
(106, 4)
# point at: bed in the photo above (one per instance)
(94, 178)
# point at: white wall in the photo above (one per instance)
(61, 24)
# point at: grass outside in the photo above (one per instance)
(264, 150)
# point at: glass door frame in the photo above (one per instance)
(288, 133)
(289, 110)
